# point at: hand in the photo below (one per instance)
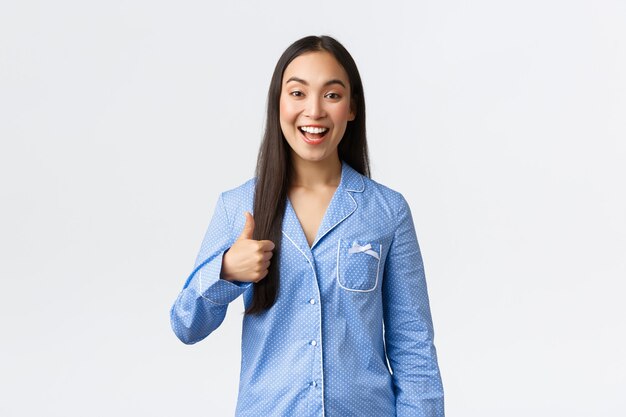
(247, 260)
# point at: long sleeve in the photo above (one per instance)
(408, 325)
(201, 305)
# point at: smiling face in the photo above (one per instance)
(315, 106)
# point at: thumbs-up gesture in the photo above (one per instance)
(247, 260)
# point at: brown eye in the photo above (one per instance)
(296, 93)
(333, 96)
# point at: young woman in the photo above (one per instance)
(337, 316)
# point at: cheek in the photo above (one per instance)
(287, 111)
(287, 119)
(342, 112)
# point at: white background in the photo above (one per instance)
(503, 123)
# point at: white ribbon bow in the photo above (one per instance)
(367, 249)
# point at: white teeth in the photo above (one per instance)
(310, 129)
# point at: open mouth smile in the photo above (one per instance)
(313, 134)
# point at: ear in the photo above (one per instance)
(352, 115)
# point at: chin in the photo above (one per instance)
(313, 157)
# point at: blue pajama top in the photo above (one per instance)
(350, 333)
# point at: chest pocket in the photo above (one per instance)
(358, 265)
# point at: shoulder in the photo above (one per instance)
(389, 204)
(240, 198)
(371, 192)
(383, 194)
(240, 190)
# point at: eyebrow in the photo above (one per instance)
(329, 82)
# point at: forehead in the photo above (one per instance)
(316, 68)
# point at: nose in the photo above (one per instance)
(314, 108)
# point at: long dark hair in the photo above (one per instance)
(274, 165)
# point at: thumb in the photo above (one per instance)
(248, 228)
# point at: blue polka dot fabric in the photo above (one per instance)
(350, 333)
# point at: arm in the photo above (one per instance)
(408, 325)
(201, 305)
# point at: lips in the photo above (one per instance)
(313, 134)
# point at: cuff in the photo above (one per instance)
(217, 290)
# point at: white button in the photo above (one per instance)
(313, 342)
(312, 301)
(313, 384)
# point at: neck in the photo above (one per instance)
(312, 174)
